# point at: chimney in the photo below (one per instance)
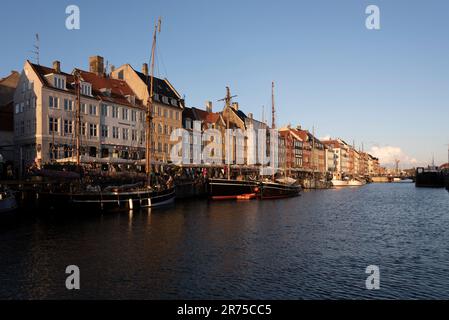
(235, 105)
(96, 65)
(57, 66)
(145, 69)
(209, 106)
(250, 115)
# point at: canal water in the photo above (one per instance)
(316, 246)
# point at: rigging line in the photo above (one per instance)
(161, 57)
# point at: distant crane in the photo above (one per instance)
(396, 161)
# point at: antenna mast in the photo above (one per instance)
(37, 49)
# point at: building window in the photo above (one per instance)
(125, 134)
(159, 128)
(159, 111)
(133, 115)
(59, 83)
(115, 132)
(83, 128)
(53, 125)
(114, 111)
(68, 105)
(104, 110)
(159, 147)
(134, 135)
(177, 115)
(93, 130)
(68, 127)
(104, 131)
(124, 114)
(171, 114)
(86, 89)
(165, 129)
(53, 102)
(165, 113)
(92, 110)
(83, 108)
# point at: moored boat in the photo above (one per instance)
(282, 188)
(107, 199)
(430, 177)
(223, 189)
(7, 200)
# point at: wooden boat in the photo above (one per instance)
(223, 189)
(282, 188)
(105, 199)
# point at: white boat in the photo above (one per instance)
(340, 183)
(356, 183)
(7, 200)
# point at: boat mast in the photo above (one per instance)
(273, 126)
(149, 117)
(77, 117)
(227, 101)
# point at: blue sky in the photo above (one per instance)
(387, 89)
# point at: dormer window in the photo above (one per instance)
(131, 99)
(165, 100)
(59, 82)
(174, 102)
(86, 89)
(106, 91)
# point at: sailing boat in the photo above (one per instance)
(125, 196)
(226, 189)
(278, 188)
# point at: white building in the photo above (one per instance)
(113, 119)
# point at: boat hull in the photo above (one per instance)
(340, 183)
(429, 179)
(269, 190)
(8, 204)
(222, 189)
(105, 201)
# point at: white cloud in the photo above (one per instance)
(388, 155)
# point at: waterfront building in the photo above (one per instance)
(208, 120)
(313, 152)
(294, 158)
(341, 150)
(112, 117)
(330, 158)
(8, 87)
(167, 106)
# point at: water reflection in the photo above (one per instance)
(314, 246)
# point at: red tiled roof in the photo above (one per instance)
(119, 88)
(208, 117)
